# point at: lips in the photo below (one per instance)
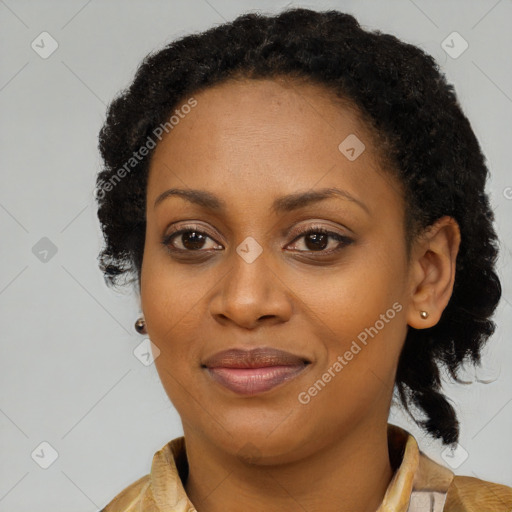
(255, 358)
(249, 372)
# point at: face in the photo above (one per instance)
(248, 263)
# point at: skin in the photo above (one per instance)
(248, 143)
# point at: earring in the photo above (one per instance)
(140, 325)
(424, 314)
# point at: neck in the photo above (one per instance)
(351, 473)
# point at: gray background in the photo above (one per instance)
(68, 374)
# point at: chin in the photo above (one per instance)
(259, 442)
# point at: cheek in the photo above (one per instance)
(357, 292)
(360, 311)
(169, 292)
(168, 307)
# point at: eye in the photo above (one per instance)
(317, 239)
(190, 238)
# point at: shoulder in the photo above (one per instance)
(162, 488)
(468, 494)
(463, 493)
(132, 497)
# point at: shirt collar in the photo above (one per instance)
(418, 482)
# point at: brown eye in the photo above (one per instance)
(193, 240)
(318, 239)
(188, 239)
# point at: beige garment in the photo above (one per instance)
(418, 485)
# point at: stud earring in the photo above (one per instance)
(140, 325)
(424, 314)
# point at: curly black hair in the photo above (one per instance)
(404, 99)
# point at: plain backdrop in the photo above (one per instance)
(68, 374)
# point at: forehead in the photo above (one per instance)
(274, 108)
(265, 136)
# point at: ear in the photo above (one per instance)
(432, 272)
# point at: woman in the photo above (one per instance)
(301, 204)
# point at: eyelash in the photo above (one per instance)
(343, 240)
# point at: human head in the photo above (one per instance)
(425, 141)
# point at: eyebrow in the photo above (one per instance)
(282, 204)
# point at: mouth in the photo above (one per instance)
(250, 372)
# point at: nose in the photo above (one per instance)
(252, 294)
